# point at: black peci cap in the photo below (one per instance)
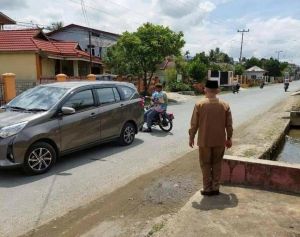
(212, 84)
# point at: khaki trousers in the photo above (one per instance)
(211, 164)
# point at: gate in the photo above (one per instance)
(224, 79)
(23, 85)
(2, 101)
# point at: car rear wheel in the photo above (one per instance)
(127, 134)
(39, 158)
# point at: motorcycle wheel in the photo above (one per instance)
(166, 128)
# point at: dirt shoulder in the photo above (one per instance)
(142, 207)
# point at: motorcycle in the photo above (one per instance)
(235, 89)
(286, 86)
(164, 120)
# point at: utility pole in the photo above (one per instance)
(242, 31)
(278, 53)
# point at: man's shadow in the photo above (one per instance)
(220, 202)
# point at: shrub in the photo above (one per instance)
(178, 86)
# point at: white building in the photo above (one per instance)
(255, 73)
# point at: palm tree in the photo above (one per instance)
(187, 54)
(55, 26)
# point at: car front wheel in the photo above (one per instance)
(39, 158)
(127, 134)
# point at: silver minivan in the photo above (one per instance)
(52, 120)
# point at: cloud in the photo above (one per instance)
(262, 40)
(13, 4)
(200, 20)
(177, 9)
(182, 15)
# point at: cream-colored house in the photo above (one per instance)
(255, 73)
(31, 55)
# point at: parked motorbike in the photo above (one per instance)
(164, 120)
(286, 86)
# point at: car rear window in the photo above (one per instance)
(127, 92)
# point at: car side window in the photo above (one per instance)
(108, 95)
(81, 100)
(127, 92)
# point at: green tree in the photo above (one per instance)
(55, 26)
(252, 62)
(197, 70)
(239, 69)
(140, 52)
(181, 66)
(273, 67)
(217, 56)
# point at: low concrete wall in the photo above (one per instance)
(267, 174)
(295, 118)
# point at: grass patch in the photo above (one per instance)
(157, 227)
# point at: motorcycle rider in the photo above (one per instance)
(286, 83)
(159, 100)
(237, 86)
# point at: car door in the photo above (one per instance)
(110, 112)
(82, 127)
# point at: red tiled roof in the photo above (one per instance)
(34, 40)
(17, 40)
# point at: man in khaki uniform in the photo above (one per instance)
(212, 120)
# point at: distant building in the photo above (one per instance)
(5, 20)
(100, 40)
(255, 73)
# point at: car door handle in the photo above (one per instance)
(93, 115)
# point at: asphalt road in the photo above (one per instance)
(27, 202)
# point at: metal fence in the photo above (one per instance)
(22, 85)
(47, 80)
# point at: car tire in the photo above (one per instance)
(127, 134)
(39, 158)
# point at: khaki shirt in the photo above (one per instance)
(213, 121)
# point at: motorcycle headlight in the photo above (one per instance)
(11, 130)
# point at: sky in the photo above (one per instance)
(274, 25)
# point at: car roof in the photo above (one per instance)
(78, 84)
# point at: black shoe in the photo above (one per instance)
(148, 130)
(215, 192)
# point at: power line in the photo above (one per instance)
(84, 13)
(242, 31)
(100, 10)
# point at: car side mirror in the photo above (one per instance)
(67, 110)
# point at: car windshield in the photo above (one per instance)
(40, 98)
